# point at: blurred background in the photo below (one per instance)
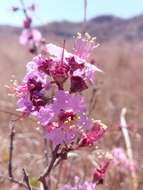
(118, 26)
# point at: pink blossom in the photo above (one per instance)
(99, 173)
(79, 186)
(27, 23)
(24, 104)
(56, 51)
(66, 118)
(32, 7)
(32, 92)
(96, 132)
(83, 46)
(14, 8)
(29, 36)
(52, 67)
(46, 115)
(77, 84)
(62, 65)
(121, 161)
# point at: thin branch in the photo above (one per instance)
(46, 153)
(124, 128)
(10, 163)
(24, 8)
(47, 149)
(10, 113)
(47, 171)
(12, 135)
(44, 183)
(15, 181)
(20, 183)
(26, 179)
(18, 116)
(92, 101)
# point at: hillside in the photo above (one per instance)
(106, 28)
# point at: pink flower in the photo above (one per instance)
(56, 67)
(32, 93)
(24, 104)
(14, 8)
(99, 173)
(27, 23)
(121, 161)
(32, 7)
(62, 65)
(65, 118)
(29, 36)
(46, 115)
(84, 45)
(96, 132)
(71, 59)
(77, 84)
(80, 186)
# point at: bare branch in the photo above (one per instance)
(46, 149)
(47, 171)
(15, 181)
(20, 183)
(93, 101)
(26, 179)
(24, 8)
(12, 134)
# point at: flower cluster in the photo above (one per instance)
(64, 115)
(29, 36)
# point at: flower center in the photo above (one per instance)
(68, 117)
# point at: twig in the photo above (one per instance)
(10, 165)
(44, 183)
(92, 101)
(46, 162)
(54, 157)
(20, 183)
(12, 134)
(12, 114)
(26, 179)
(46, 153)
(47, 171)
(24, 8)
(124, 128)
(15, 181)
(18, 116)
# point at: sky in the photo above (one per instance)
(72, 10)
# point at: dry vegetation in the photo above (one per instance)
(119, 86)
